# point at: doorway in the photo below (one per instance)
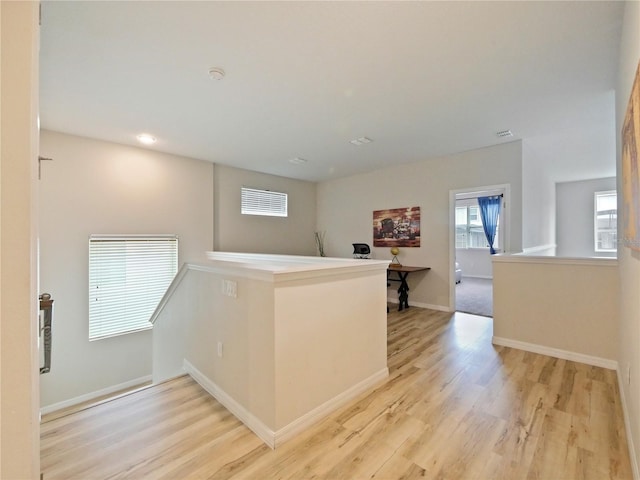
(471, 270)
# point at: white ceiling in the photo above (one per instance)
(422, 79)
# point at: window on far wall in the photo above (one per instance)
(263, 202)
(128, 276)
(606, 221)
(469, 231)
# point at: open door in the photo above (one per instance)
(471, 277)
(19, 368)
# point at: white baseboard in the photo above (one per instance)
(93, 395)
(483, 277)
(440, 308)
(627, 427)
(557, 353)
(321, 411)
(277, 438)
(251, 421)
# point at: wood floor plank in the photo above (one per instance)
(454, 407)
(293, 458)
(399, 468)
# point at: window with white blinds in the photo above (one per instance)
(128, 275)
(263, 202)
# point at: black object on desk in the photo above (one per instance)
(361, 250)
(403, 272)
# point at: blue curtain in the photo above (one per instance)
(489, 213)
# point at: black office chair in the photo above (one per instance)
(361, 250)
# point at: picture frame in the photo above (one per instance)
(396, 227)
(630, 168)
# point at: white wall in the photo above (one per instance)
(19, 366)
(475, 262)
(346, 205)
(98, 187)
(538, 199)
(571, 305)
(234, 232)
(201, 316)
(564, 156)
(628, 260)
(574, 217)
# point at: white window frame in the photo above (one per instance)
(128, 276)
(254, 201)
(597, 230)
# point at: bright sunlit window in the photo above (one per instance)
(606, 221)
(469, 231)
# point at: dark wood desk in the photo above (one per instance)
(403, 272)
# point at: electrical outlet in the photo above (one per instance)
(220, 349)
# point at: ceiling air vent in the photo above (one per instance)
(360, 141)
(297, 161)
(504, 133)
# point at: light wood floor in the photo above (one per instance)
(454, 407)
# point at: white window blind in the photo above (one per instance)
(128, 275)
(263, 202)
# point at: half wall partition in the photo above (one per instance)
(279, 340)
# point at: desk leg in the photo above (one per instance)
(403, 291)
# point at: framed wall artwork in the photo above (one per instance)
(630, 170)
(396, 227)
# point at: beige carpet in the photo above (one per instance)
(475, 295)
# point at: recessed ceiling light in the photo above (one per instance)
(360, 141)
(216, 73)
(504, 133)
(146, 139)
(297, 161)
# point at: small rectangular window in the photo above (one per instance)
(128, 276)
(263, 202)
(606, 221)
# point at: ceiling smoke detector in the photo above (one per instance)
(504, 133)
(216, 73)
